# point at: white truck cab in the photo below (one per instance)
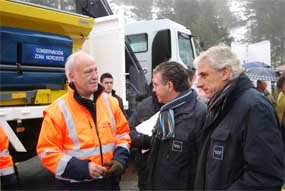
(160, 40)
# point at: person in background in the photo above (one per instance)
(107, 81)
(280, 103)
(146, 108)
(261, 87)
(173, 157)
(191, 75)
(7, 171)
(84, 139)
(242, 144)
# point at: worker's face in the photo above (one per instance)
(160, 88)
(107, 84)
(211, 80)
(85, 76)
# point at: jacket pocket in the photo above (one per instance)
(220, 134)
(219, 139)
(106, 133)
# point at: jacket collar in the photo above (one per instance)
(187, 96)
(222, 102)
(87, 103)
(81, 99)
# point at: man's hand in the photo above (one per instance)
(96, 170)
(116, 168)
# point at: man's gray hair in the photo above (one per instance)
(219, 57)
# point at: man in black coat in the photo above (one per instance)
(242, 144)
(146, 108)
(174, 148)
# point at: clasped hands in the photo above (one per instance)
(97, 171)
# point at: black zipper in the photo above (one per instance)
(100, 144)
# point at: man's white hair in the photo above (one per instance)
(72, 61)
(219, 57)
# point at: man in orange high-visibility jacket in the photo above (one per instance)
(7, 172)
(84, 138)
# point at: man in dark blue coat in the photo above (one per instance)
(174, 148)
(242, 144)
(147, 108)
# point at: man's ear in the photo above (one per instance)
(170, 86)
(71, 77)
(227, 74)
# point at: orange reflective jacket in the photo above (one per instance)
(6, 162)
(68, 130)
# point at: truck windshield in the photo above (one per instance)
(185, 49)
(64, 5)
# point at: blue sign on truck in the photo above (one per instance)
(31, 59)
(49, 55)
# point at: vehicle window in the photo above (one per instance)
(138, 42)
(65, 5)
(185, 49)
(161, 47)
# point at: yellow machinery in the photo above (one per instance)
(35, 43)
(34, 17)
(38, 19)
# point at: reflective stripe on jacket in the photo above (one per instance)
(6, 162)
(69, 130)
